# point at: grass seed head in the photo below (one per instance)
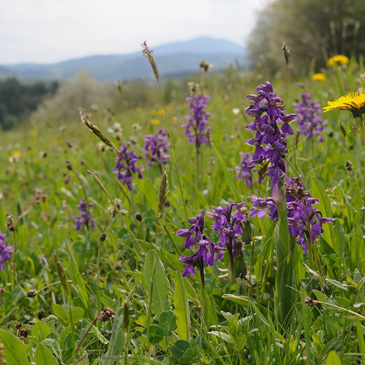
(95, 129)
(286, 52)
(148, 53)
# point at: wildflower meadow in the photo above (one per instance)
(225, 226)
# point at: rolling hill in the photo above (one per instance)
(172, 59)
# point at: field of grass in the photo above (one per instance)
(113, 291)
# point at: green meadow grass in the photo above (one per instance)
(160, 317)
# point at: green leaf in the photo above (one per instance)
(16, 353)
(360, 338)
(40, 330)
(43, 356)
(266, 244)
(155, 280)
(181, 310)
(77, 314)
(99, 335)
(179, 349)
(333, 359)
(64, 315)
(260, 310)
(17, 295)
(338, 284)
(156, 334)
(60, 312)
(231, 181)
(167, 321)
(116, 346)
(284, 281)
(79, 284)
(324, 206)
(320, 296)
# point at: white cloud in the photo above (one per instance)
(49, 31)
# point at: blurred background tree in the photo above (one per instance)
(19, 99)
(314, 30)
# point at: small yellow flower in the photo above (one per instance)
(353, 102)
(155, 121)
(16, 153)
(338, 60)
(161, 112)
(319, 77)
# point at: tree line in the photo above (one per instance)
(19, 99)
(314, 30)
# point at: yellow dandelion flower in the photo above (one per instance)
(16, 153)
(155, 121)
(161, 112)
(353, 102)
(338, 60)
(319, 77)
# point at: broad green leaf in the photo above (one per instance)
(155, 334)
(284, 281)
(60, 312)
(266, 250)
(156, 283)
(181, 310)
(116, 346)
(43, 356)
(167, 321)
(40, 330)
(209, 313)
(320, 296)
(64, 334)
(64, 315)
(179, 349)
(77, 314)
(333, 359)
(16, 353)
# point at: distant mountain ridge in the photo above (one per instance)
(172, 58)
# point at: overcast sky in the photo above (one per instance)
(54, 30)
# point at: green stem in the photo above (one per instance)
(72, 328)
(173, 154)
(14, 264)
(82, 340)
